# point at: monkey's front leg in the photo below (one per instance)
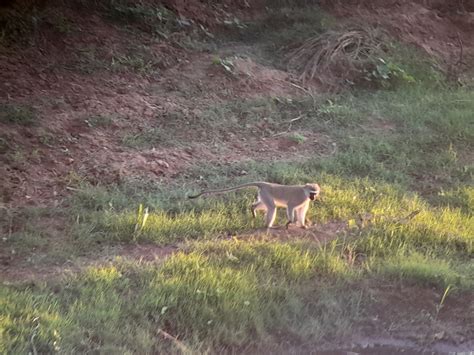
(290, 214)
(301, 215)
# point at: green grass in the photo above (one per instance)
(96, 121)
(154, 137)
(222, 301)
(218, 294)
(426, 271)
(16, 114)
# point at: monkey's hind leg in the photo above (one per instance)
(270, 216)
(259, 205)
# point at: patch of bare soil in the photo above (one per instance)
(320, 234)
(82, 118)
(414, 315)
(64, 144)
(15, 269)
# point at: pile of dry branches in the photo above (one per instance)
(337, 57)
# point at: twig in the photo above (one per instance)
(179, 344)
(280, 134)
(306, 91)
(296, 118)
(73, 189)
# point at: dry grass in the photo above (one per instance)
(337, 57)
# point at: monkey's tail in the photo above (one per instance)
(250, 184)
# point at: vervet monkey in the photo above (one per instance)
(270, 196)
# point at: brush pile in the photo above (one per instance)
(338, 57)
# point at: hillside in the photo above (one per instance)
(112, 112)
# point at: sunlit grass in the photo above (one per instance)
(420, 269)
(28, 322)
(229, 292)
(226, 293)
(218, 293)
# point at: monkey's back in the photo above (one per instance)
(286, 194)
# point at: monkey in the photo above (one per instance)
(295, 198)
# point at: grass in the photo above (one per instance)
(217, 295)
(194, 296)
(15, 114)
(154, 137)
(96, 121)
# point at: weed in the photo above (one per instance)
(99, 121)
(388, 72)
(46, 138)
(297, 138)
(141, 60)
(16, 114)
(87, 60)
(225, 63)
(440, 305)
(142, 217)
(151, 138)
(4, 146)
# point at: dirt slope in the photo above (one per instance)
(85, 107)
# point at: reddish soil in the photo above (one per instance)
(414, 314)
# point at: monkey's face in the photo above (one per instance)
(313, 191)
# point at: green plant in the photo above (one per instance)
(388, 72)
(99, 121)
(440, 305)
(4, 146)
(227, 64)
(46, 138)
(16, 114)
(152, 137)
(142, 217)
(135, 63)
(297, 137)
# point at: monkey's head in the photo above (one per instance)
(313, 191)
